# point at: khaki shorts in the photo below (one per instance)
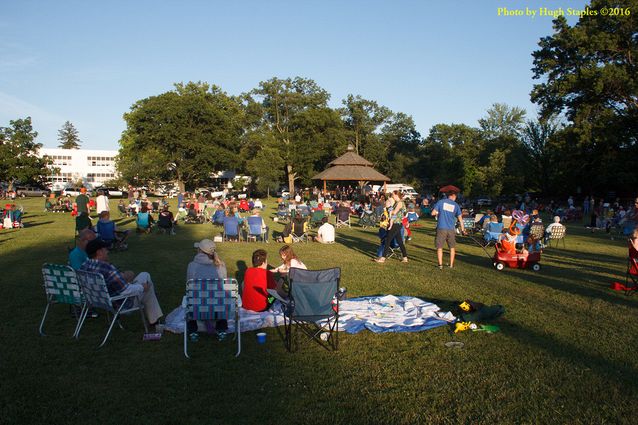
(445, 236)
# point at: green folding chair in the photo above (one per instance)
(61, 287)
(312, 308)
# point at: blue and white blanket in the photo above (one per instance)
(377, 314)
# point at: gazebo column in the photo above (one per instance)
(324, 188)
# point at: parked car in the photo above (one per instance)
(483, 202)
(23, 191)
(112, 192)
(75, 191)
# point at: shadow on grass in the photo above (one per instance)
(575, 285)
(609, 369)
(39, 223)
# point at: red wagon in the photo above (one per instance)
(521, 260)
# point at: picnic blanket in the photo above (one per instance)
(377, 314)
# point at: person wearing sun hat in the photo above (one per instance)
(122, 283)
(207, 265)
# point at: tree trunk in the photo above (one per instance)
(291, 179)
(180, 183)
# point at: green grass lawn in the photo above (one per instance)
(567, 351)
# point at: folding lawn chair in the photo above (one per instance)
(61, 287)
(313, 307)
(231, 228)
(255, 229)
(468, 224)
(507, 221)
(123, 211)
(96, 295)
(212, 299)
(317, 216)
(106, 232)
(557, 234)
(342, 220)
(143, 222)
(218, 218)
(493, 232)
(537, 231)
(299, 231)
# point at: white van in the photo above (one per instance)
(404, 188)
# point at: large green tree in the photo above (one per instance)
(300, 125)
(543, 144)
(69, 137)
(503, 155)
(183, 135)
(363, 120)
(19, 160)
(589, 72)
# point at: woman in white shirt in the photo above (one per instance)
(289, 259)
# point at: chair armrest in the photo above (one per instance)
(120, 297)
(275, 294)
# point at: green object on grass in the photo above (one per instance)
(488, 328)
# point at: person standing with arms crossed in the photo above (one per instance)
(447, 211)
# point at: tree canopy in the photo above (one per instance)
(183, 135)
(589, 73)
(19, 160)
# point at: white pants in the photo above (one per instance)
(148, 297)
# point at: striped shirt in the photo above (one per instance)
(115, 282)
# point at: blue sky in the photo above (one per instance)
(87, 62)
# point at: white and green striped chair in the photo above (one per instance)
(96, 295)
(61, 287)
(212, 299)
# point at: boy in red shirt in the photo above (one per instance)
(257, 280)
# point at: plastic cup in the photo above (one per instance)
(261, 338)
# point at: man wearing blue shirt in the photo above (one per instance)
(78, 255)
(447, 211)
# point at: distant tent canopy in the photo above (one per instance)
(350, 167)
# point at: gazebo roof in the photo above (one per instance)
(351, 166)
(350, 158)
(351, 172)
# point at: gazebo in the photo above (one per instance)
(351, 167)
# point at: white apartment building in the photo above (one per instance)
(93, 167)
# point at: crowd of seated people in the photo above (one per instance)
(11, 217)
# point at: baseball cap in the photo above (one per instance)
(206, 245)
(94, 246)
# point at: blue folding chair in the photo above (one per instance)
(255, 228)
(231, 228)
(143, 221)
(212, 299)
(106, 231)
(493, 232)
(218, 218)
